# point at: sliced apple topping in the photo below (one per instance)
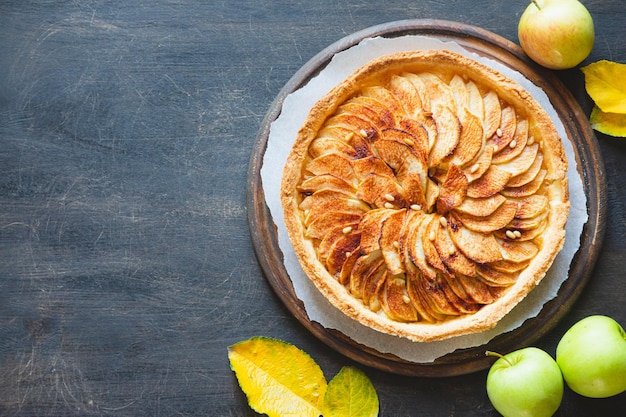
(470, 140)
(505, 132)
(493, 180)
(318, 228)
(333, 163)
(328, 144)
(395, 300)
(516, 146)
(326, 182)
(450, 255)
(371, 229)
(528, 189)
(481, 207)
(371, 165)
(477, 289)
(381, 191)
(499, 219)
(371, 109)
(528, 176)
(493, 113)
(390, 234)
(370, 263)
(339, 232)
(475, 103)
(339, 252)
(448, 133)
(407, 94)
(517, 251)
(439, 92)
(385, 97)
(523, 162)
(532, 206)
(480, 166)
(479, 247)
(453, 190)
(431, 255)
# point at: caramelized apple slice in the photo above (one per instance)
(509, 267)
(481, 207)
(431, 255)
(326, 182)
(339, 252)
(391, 232)
(358, 125)
(526, 190)
(385, 97)
(333, 163)
(528, 176)
(348, 265)
(477, 289)
(475, 103)
(419, 85)
(318, 228)
(415, 248)
(493, 113)
(478, 247)
(453, 190)
(365, 265)
(495, 221)
(340, 232)
(523, 162)
(492, 181)
(371, 165)
(407, 95)
(448, 133)
(518, 251)
(439, 92)
(432, 194)
(482, 164)
(470, 140)
(459, 92)
(373, 284)
(371, 228)
(516, 146)
(371, 109)
(450, 255)
(395, 300)
(381, 191)
(505, 132)
(494, 277)
(327, 144)
(418, 300)
(532, 206)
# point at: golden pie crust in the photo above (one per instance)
(426, 195)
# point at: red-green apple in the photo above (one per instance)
(557, 34)
(526, 382)
(592, 357)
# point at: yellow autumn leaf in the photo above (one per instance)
(279, 379)
(350, 394)
(604, 82)
(613, 124)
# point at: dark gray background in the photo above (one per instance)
(126, 266)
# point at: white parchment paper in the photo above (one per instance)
(283, 131)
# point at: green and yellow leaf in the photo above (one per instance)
(279, 379)
(613, 124)
(604, 82)
(350, 394)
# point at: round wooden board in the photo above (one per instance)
(590, 167)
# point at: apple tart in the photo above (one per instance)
(426, 195)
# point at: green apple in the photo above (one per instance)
(557, 34)
(524, 383)
(592, 357)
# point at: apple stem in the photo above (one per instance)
(535, 3)
(496, 354)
